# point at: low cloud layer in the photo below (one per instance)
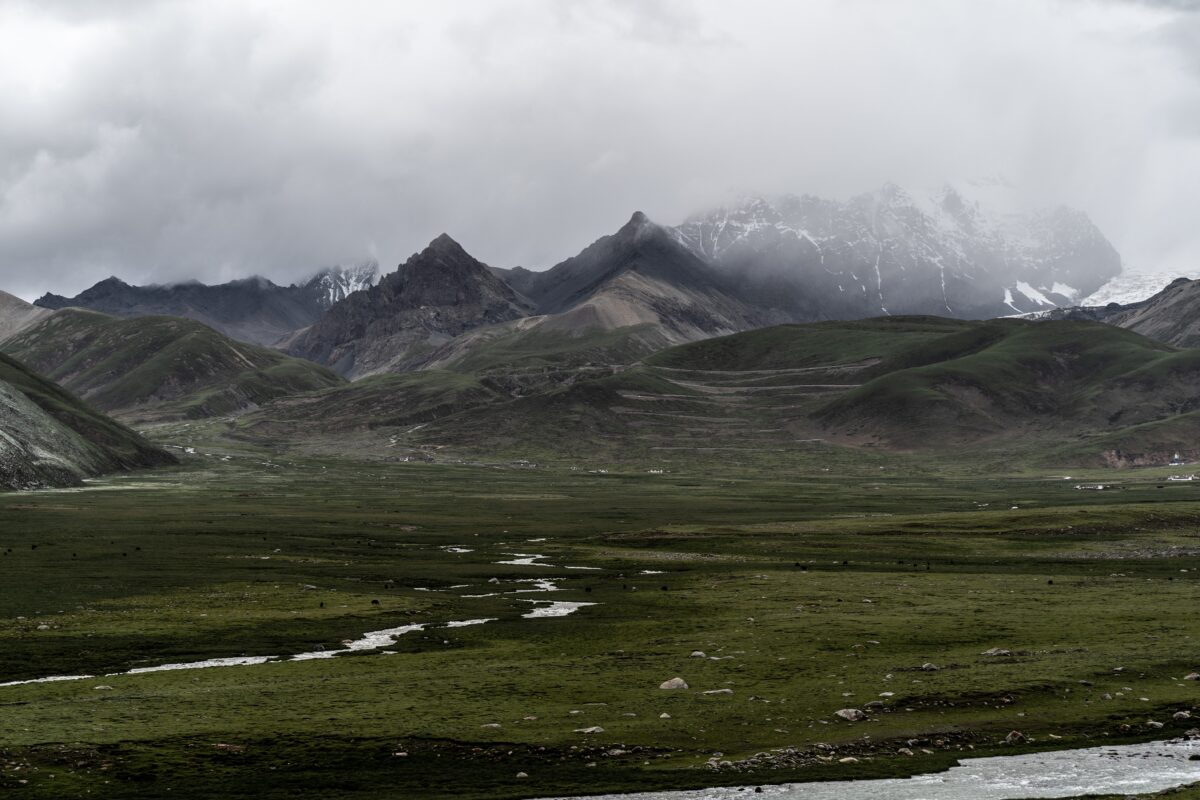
(213, 139)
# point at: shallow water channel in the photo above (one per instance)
(1124, 770)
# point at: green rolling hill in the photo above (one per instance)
(1077, 391)
(48, 437)
(154, 368)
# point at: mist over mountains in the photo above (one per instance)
(753, 263)
(889, 252)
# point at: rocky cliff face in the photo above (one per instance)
(889, 252)
(436, 295)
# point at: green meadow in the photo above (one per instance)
(828, 583)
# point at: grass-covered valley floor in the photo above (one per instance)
(829, 582)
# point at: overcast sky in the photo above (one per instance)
(167, 140)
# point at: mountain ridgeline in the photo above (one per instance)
(796, 259)
(648, 286)
(253, 310)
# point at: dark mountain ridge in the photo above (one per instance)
(251, 310)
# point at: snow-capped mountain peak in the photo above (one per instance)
(893, 252)
(336, 283)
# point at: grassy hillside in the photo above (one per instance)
(1040, 384)
(998, 392)
(381, 401)
(519, 348)
(49, 437)
(160, 367)
(816, 344)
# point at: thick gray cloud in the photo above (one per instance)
(218, 138)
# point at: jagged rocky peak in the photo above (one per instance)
(435, 295)
(443, 242)
(891, 251)
(642, 274)
(639, 225)
(444, 274)
(110, 287)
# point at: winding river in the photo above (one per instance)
(1122, 770)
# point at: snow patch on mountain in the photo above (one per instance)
(1133, 286)
(1033, 294)
(936, 252)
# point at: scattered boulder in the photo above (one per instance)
(664, 715)
(593, 729)
(103, 688)
(1195, 676)
(996, 651)
(698, 654)
(522, 774)
(929, 667)
(1015, 737)
(848, 760)
(904, 751)
(1153, 725)
(719, 691)
(1178, 715)
(674, 683)
(850, 714)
